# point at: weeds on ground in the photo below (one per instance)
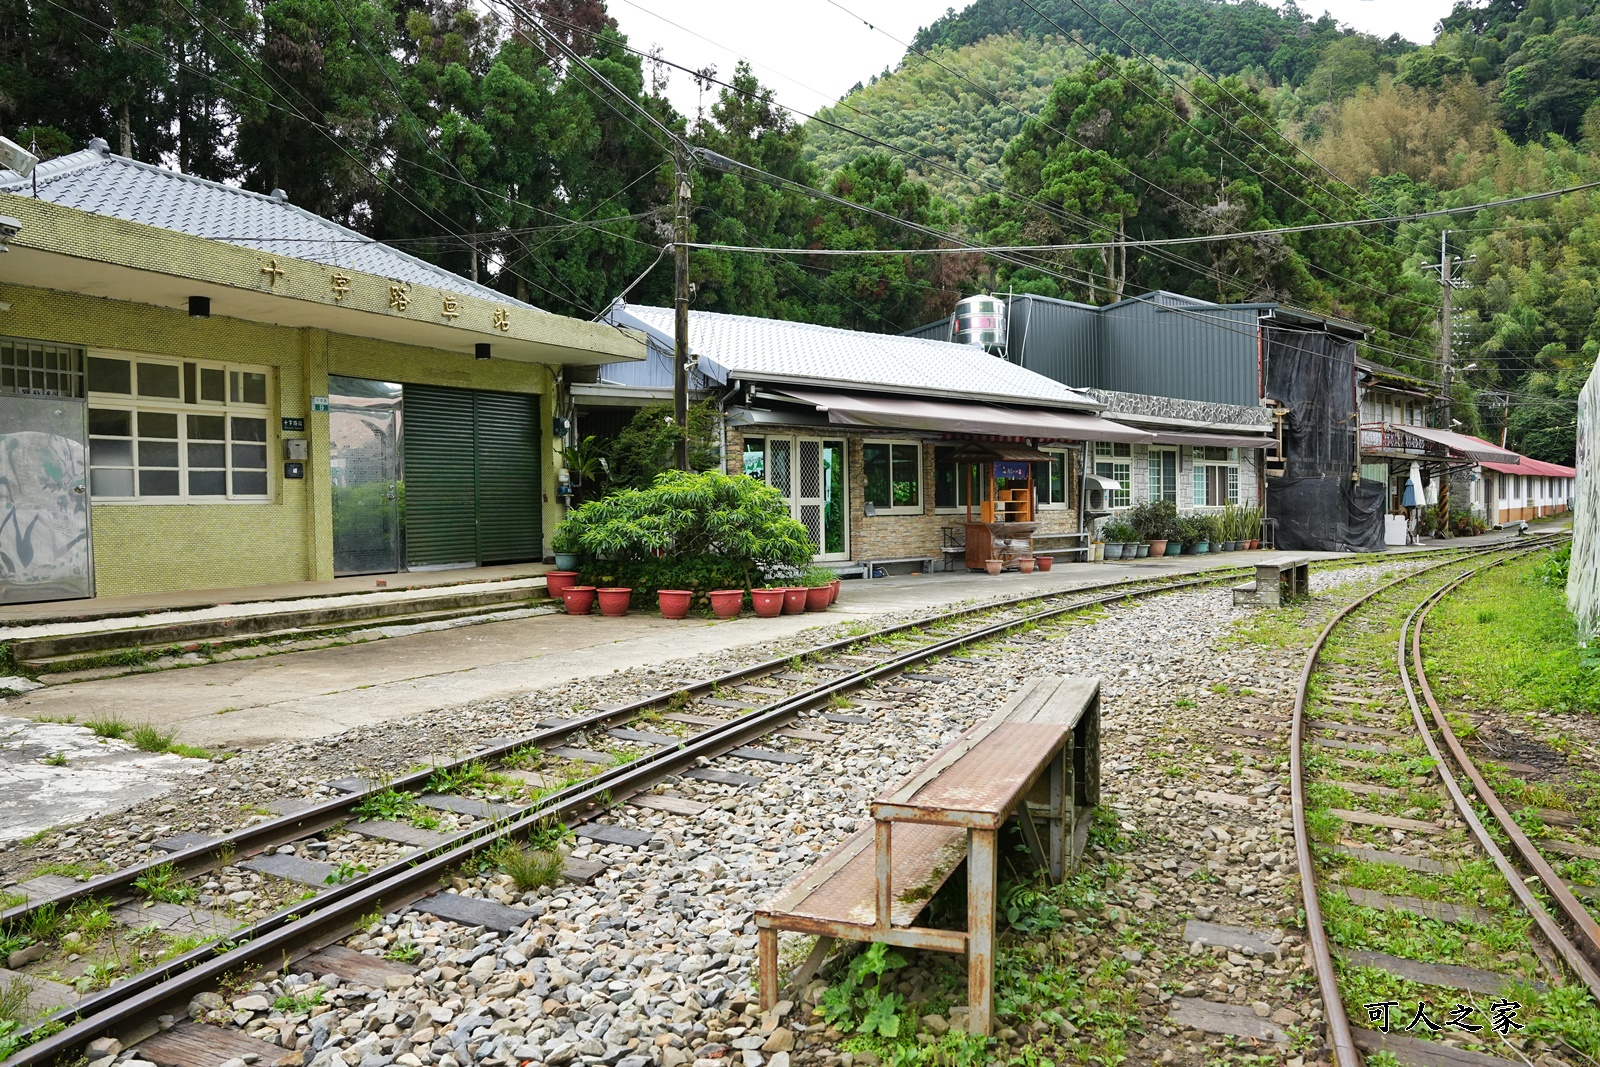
(344, 872)
(300, 1003)
(77, 869)
(456, 779)
(163, 883)
(387, 804)
(530, 868)
(147, 737)
(108, 726)
(404, 952)
(55, 759)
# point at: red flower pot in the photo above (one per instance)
(674, 602)
(614, 601)
(1045, 562)
(768, 602)
(817, 597)
(726, 603)
(558, 582)
(794, 600)
(579, 599)
(833, 591)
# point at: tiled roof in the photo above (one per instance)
(739, 346)
(98, 181)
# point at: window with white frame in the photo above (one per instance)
(1164, 474)
(893, 474)
(1114, 460)
(1052, 490)
(1216, 476)
(954, 482)
(173, 430)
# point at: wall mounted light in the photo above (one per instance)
(199, 307)
(481, 350)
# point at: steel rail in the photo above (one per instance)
(257, 837)
(1580, 960)
(278, 938)
(1338, 1023)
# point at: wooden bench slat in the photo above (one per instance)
(845, 888)
(984, 784)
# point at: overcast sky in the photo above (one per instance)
(812, 51)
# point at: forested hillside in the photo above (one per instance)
(516, 141)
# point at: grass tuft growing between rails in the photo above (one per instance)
(1504, 641)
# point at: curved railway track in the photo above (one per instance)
(332, 912)
(1376, 772)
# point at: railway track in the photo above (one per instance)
(640, 759)
(1417, 921)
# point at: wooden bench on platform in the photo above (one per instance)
(1277, 582)
(1035, 761)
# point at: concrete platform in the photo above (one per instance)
(316, 693)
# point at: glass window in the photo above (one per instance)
(893, 474)
(1053, 488)
(755, 458)
(158, 380)
(1122, 474)
(951, 480)
(110, 375)
(152, 448)
(1164, 474)
(1113, 449)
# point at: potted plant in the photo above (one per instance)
(768, 601)
(1045, 562)
(1152, 522)
(819, 588)
(1189, 534)
(833, 586)
(794, 599)
(1025, 564)
(1120, 536)
(726, 603)
(564, 543)
(579, 599)
(674, 602)
(614, 600)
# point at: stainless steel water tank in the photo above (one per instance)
(981, 321)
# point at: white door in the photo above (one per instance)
(810, 473)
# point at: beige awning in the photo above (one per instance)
(1108, 484)
(1214, 440)
(945, 416)
(1460, 444)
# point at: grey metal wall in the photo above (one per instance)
(1204, 352)
(1058, 339)
(938, 330)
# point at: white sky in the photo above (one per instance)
(810, 52)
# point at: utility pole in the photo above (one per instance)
(1446, 327)
(680, 308)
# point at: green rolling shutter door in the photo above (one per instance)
(473, 492)
(510, 498)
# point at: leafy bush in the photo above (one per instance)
(685, 515)
(1190, 530)
(1155, 521)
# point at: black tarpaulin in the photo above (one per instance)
(1319, 507)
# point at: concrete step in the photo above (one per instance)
(137, 645)
(330, 612)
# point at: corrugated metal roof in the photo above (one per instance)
(103, 183)
(1525, 465)
(739, 346)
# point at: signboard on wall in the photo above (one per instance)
(319, 403)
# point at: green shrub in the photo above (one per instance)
(686, 516)
(1155, 520)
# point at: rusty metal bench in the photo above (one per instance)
(1037, 760)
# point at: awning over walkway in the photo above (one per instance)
(1215, 440)
(1460, 444)
(942, 416)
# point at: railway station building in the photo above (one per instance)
(1249, 404)
(203, 387)
(874, 438)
